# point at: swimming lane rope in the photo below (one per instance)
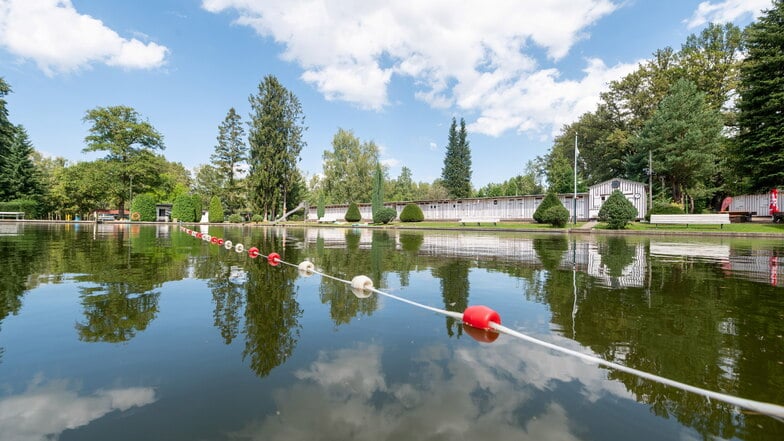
(484, 318)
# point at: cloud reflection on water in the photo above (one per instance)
(500, 391)
(47, 408)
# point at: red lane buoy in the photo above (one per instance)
(480, 316)
(199, 235)
(481, 335)
(214, 240)
(273, 259)
(253, 252)
(220, 241)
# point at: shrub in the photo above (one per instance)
(320, 208)
(183, 209)
(257, 218)
(28, 206)
(412, 213)
(385, 215)
(353, 214)
(556, 216)
(235, 218)
(617, 211)
(215, 210)
(551, 200)
(144, 204)
(197, 207)
(664, 208)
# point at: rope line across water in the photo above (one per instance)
(485, 318)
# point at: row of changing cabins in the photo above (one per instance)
(522, 208)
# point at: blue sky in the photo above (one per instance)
(394, 72)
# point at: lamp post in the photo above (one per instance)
(574, 199)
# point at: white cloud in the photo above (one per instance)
(726, 11)
(474, 57)
(390, 162)
(59, 39)
(46, 409)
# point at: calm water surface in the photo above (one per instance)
(142, 332)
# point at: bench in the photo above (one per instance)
(691, 219)
(9, 214)
(327, 220)
(479, 220)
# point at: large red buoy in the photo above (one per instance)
(253, 252)
(273, 259)
(480, 316)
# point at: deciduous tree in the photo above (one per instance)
(129, 143)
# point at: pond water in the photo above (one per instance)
(144, 332)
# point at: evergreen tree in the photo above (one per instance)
(275, 138)
(230, 153)
(23, 179)
(759, 149)
(684, 136)
(456, 173)
(377, 202)
(7, 134)
(215, 212)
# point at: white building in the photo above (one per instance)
(509, 208)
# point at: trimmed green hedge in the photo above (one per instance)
(556, 216)
(353, 214)
(144, 204)
(617, 211)
(28, 206)
(385, 215)
(235, 218)
(550, 200)
(183, 209)
(215, 213)
(257, 218)
(412, 213)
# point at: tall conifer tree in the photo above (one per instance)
(275, 139)
(456, 173)
(760, 142)
(230, 153)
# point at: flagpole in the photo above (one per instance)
(575, 180)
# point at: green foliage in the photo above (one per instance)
(412, 213)
(385, 215)
(348, 168)
(275, 138)
(7, 135)
(759, 151)
(353, 214)
(557, 216)
(215, 210)
(321, 207)
(144, 204)
(256, 218)
(236, 218)
(22, 178)
(197, 207)
(617, 211)
(550, 200)
(660, 207)
(525, 184)
(377, 202)
(230, 153)
(128, 142)
(28, 206)
(183, 209)
(685, 137)
(457, 162)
